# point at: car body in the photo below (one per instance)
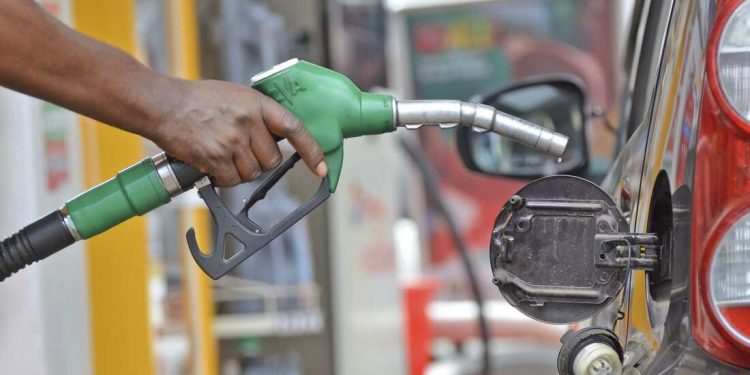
(680, 171)
(653, 179)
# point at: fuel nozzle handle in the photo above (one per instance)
(415, 113)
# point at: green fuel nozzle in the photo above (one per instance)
(333, 108)
(330, 106)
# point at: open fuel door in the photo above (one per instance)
(560, 250)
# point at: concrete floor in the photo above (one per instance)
(508, 357)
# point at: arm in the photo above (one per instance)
(223, 129)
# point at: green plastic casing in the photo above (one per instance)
(331, 107)
(134, 191)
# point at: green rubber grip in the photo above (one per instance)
(133, 192)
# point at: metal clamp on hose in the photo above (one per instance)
(167, 175)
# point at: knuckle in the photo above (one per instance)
(217, 166)
(234, 139)
(215, 156)
(245, 177)
(271, 159)
(220, 181)
(292, 125)
(223, 170)
(250, 169)
(248, 174)
(274, 160)
(233, 180)
(255, 173)
(230, 137)
(203, 167)
(243, 118)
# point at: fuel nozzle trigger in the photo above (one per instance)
(249, 234)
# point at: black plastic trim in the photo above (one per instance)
(186, 174)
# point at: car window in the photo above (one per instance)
(632, 34)
(647, 37)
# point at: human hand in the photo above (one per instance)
(227, 131)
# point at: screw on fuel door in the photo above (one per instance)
(560, 249)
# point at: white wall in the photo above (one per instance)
(368, 313)
(44, 313)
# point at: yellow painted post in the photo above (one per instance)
(184, 61)
(182, 31)
(199, 293)
(117, 260)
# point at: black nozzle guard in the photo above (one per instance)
(251, 235)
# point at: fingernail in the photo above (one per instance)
(322, 169)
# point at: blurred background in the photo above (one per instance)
(370, 283)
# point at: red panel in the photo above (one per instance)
(417, 296)
(738, 317)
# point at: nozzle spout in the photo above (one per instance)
(415, 113)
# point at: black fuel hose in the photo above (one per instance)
(427, 171)
(34, 242)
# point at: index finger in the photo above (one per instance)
(283, 123)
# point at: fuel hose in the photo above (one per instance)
(133, 192)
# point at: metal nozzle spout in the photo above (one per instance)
(415, 113)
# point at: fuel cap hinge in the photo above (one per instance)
(628, 250)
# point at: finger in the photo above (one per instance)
(283, 123)
(218, 164)
(246, 164)
(226, 176)
(265, 148)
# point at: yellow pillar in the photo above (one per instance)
(199, 294)
(184, 62)
(117, 260)
(182, 31)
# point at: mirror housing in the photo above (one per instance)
(557, 102)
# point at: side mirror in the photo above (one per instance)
(557, 103)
